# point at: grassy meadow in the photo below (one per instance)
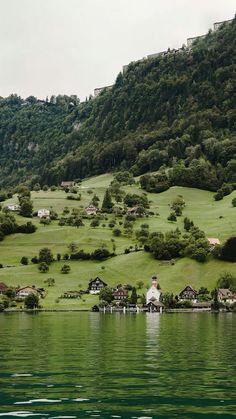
(216, 218)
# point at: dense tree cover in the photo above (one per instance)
(174, 245)
(174, 114)
(8, 225)
(227, 280)
(31, 301)
(227, 251)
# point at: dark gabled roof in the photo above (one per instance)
(188, 288)
(97, 279)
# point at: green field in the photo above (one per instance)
(217, 219)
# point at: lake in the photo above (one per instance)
(95, 365)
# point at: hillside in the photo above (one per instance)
(176, 111)
(217, 219)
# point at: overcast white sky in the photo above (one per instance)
(72, 46)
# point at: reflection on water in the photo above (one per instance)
(85, 365)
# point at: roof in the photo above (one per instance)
(213, 241)
(91, 206)
(188, 288)
(155, 303)
(120, 290)
(27, 287)
(3, 287)
(225, 292)
(97, 279)
(67, 182)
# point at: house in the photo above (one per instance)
(155, 55)
(120, 293)
(226, 296)
(43, 213)
(99, 90)
(190, 41)
(67, 184)
(25, 291)
(91, 210)
(217, 25)
(13, 207)
(3, 288)
(155, 305)
(153, 294)
(188, 293)
(137, 211)
(95, 285)
(213, 242)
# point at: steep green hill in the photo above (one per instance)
(174, 111)
(217, 219)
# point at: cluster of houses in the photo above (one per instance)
(154, 294)
(190, 41)
(120, 294)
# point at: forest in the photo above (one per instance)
(173, 115)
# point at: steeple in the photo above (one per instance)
(154, 281)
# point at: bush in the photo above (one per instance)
(228, 251)
(116, 232)
(24, 260)
(172, 217)
(234, 202)
(45, 255)
(81, 255)
(101, 254)
(43, 267)
(65, 269)
(27, 228)
(31, 301)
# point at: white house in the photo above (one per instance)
(43, 212)
(13, 207)
(153, 294)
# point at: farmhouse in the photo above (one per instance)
(67, 184)
(226, 296)
(188, 293)
(95, 285)
(25, 291)
(120, 293)
(3, 288)
(213, 242)
(91, 210)
(13, 207)
(43, 213)
(137, 211)
(153, 294)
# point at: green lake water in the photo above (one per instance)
(94, 365)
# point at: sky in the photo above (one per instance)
(51, 47)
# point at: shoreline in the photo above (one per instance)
(87, 310)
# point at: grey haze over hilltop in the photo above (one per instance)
(73, 46)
